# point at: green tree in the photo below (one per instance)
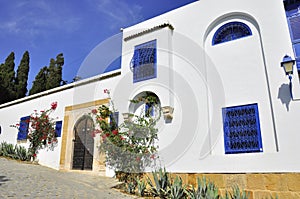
(39, 81)
(22, 76)
(54, 78)
(7, 76)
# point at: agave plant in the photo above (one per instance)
(236, 194)
(141, 187)
(204, 190)
(177, 189)
(161, 184)
(8, 150)
(21, 153)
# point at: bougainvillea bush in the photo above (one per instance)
(129, 147)
(41, 131)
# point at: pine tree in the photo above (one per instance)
(7, 75)
(39, 84)
(54, 78)
(22, 76)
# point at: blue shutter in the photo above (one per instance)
(241, 129)
(23, 128)
(295, 27)
(58, 127)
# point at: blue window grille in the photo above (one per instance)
(149, 110)
(231, 31)
(23, 128)
(242, 129)
(293, 18)
(58, 127)
(144, 61)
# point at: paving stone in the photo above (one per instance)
(22, 180)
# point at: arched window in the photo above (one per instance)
(231, 31)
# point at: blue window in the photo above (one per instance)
(242, 129)
(231, 31)
(293, 18)
(58, 126)
(23, 128)
(144, 61)
(149, 110)
(114, 120)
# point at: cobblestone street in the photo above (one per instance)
(21, 180)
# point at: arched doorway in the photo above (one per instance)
(83, 144)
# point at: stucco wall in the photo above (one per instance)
(198, 80)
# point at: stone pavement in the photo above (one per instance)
(21, 180)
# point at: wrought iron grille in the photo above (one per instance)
(231, 31)
(144, 61)
(242, 129)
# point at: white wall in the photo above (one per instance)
(206, 78)
(198, 80)
(69, 95)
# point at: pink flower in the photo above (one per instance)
(94, 111)
(106, 91)
(122, 138)
(152, 156)
(100, 119)
(53, 105)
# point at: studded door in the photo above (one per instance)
(83, 144)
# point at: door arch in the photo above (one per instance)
(83, 144)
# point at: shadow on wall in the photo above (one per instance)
(284, 95)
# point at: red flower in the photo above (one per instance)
(34, 155)
(53, 105)
(106, 91)
(152, 156)
(138, 159)
(94, 111)
(115, 132)
(122, 138)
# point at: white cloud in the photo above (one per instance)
(119, 13)
(33, 18)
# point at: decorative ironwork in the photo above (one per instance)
(144, 61)
(231, 31)
(242, 129)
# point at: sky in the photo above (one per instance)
(73, 27)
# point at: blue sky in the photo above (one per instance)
(72, 27)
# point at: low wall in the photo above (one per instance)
(258, 185)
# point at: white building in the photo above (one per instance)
(218, 64)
